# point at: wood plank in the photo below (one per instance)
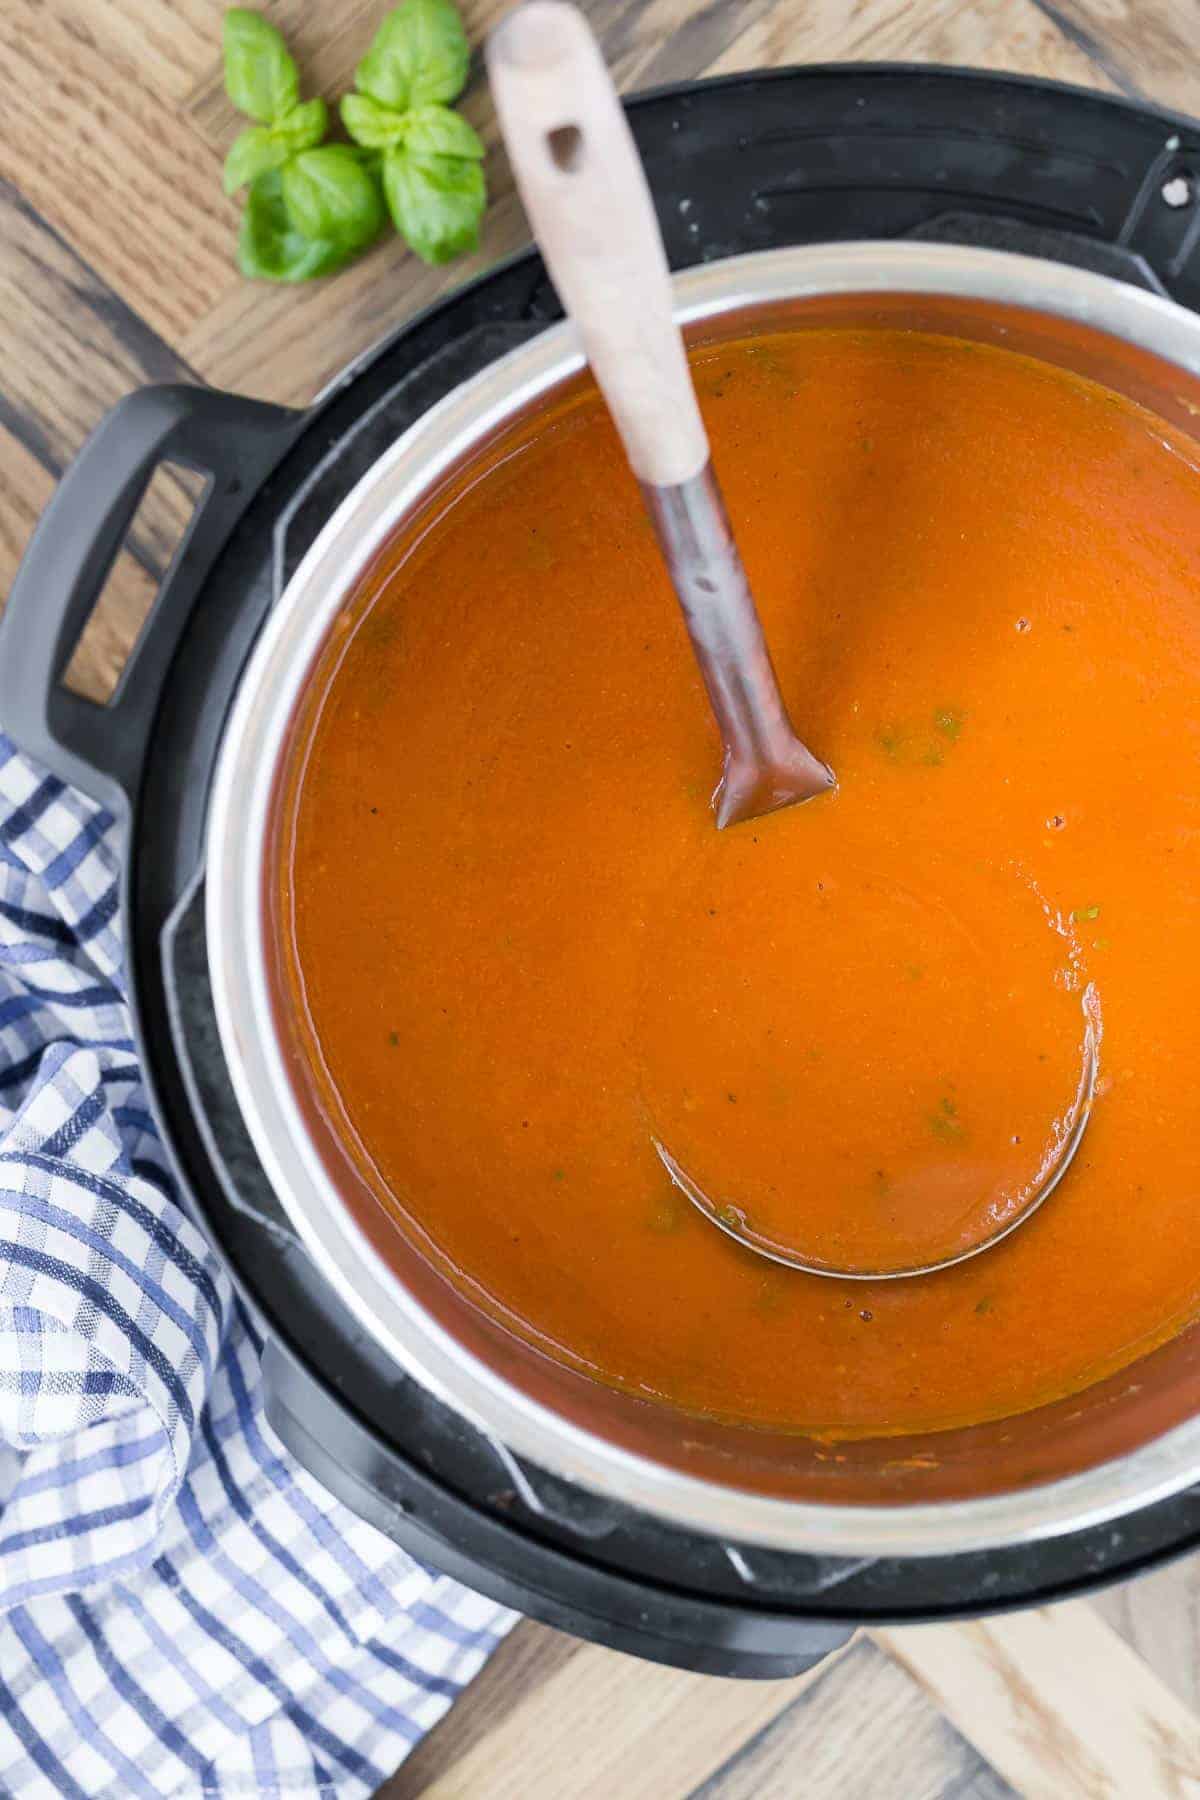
(1148, 47)
(1058, 1703)
(1014, 35)
(171, 45)
(529, 1656)
(619, 1726)
(1158, 1616)
(111, 163)
(71, 350)
(258, 340)
(863, 1731)
(26, 488)
(113, 629)
(655, 44)
(132, 585)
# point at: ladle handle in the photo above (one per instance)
(589, 204)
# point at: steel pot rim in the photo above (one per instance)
(238, 953)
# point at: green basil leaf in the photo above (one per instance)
(269, 246)
(254, 153)
(330, 195)
(303, 127)
(370, 124)
(261, 148)
(436, 131)
(420, 55)
(436, 202)
(260, 76)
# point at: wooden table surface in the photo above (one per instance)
(116, 269)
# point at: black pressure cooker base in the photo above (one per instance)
(742, 164)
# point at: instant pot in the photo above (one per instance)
(1055, 221)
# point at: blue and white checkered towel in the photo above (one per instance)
(182, 1609)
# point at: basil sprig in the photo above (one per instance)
(420, 57)
(262, 81)
(260, 75)
(431, 159)
(311, 207)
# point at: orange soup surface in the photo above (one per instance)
(526, 964)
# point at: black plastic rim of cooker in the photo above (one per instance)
(743, 163)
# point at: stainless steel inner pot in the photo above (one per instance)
(1121, 1444)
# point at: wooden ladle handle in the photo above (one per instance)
(584, 189)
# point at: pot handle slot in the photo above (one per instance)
(233, 441)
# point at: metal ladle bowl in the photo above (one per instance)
(728, 1217)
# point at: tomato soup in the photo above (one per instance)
(524, 962)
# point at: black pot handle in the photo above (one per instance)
(232, 440)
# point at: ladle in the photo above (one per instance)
(586, 195)
(729, 1218)
(584, 189)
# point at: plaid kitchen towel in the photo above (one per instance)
(182, 1609)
